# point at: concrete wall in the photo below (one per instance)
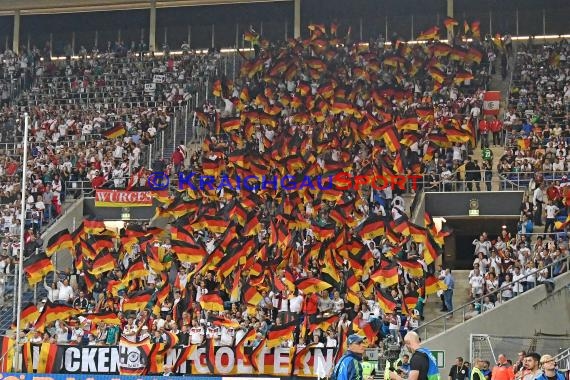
(533, 312)
(490, 203)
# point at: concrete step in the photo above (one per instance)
(432, 308)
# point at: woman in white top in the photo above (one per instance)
(53, 292)
(530, 272)
(507, 292)
(517, 282)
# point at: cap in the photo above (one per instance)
(355, 339)
(546, 358)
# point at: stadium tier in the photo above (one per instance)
(282, 193)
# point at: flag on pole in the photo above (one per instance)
(491, 102)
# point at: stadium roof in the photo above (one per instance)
(31, 7)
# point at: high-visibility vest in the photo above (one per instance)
(474, 371)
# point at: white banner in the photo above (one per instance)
(150, 87)
(158, 78)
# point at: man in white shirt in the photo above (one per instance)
(296, 305)
(65, 291)
(476, 282)
(196, 333)
(538, 200)
(551, 211)
(227, 336)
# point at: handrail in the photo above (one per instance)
(508, 100)
(496, 291)
(563, 357)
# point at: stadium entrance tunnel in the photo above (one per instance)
(470, 214)
(459, 249)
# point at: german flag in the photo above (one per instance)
(103, 263)
(137, 301)
(87, 250)
(437, 75)
(37, 267)
(100, 242)
(252, 226)
(414, 268)
(93, 226)
(386, 277)
(185, 354)
(188, 252)
(217, 88)
(458, 54)
(251, 296)
(29, 315)
(324, 323)
(430, 34)
(163, 293)
(7, 345)
(136, 270)
(386, 301)
(214, 224)
(212, 302)
(323, 232)
(59, 241)
(231, 124)
(50, 358)
(311, 285)
(475, 29)
(410, 302)
(430, 251)
(109, 318)
(52, 312)
(391, 139)
(450, 23)
(409, 124)
(373, 227)
(115, 132)
(145, 348)
(433, 284)
(461, 76)
(277, 334)
(474, 55)
(223, 321)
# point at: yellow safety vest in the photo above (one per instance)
(474, 371)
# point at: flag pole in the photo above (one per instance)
(21, 253)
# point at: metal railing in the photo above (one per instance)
(563, 359)
(463, 310)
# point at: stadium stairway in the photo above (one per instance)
(432, 308)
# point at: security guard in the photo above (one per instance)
(368, 369)
(476, 373)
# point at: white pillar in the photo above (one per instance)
(213, 35)
(517, 14)
(297, 19)
(152, 27)
(449, 14)
(544, 22)
(16, 34)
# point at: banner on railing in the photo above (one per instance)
(158, 78)
(223, 361)
(124, 198)
(150, 87)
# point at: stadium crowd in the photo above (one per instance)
(308, 104)
(241, 268)
(91, 119)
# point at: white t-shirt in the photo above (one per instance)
(476, 282)
(196, 335)
(296, 304)
(551, 211)
(227, 336)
